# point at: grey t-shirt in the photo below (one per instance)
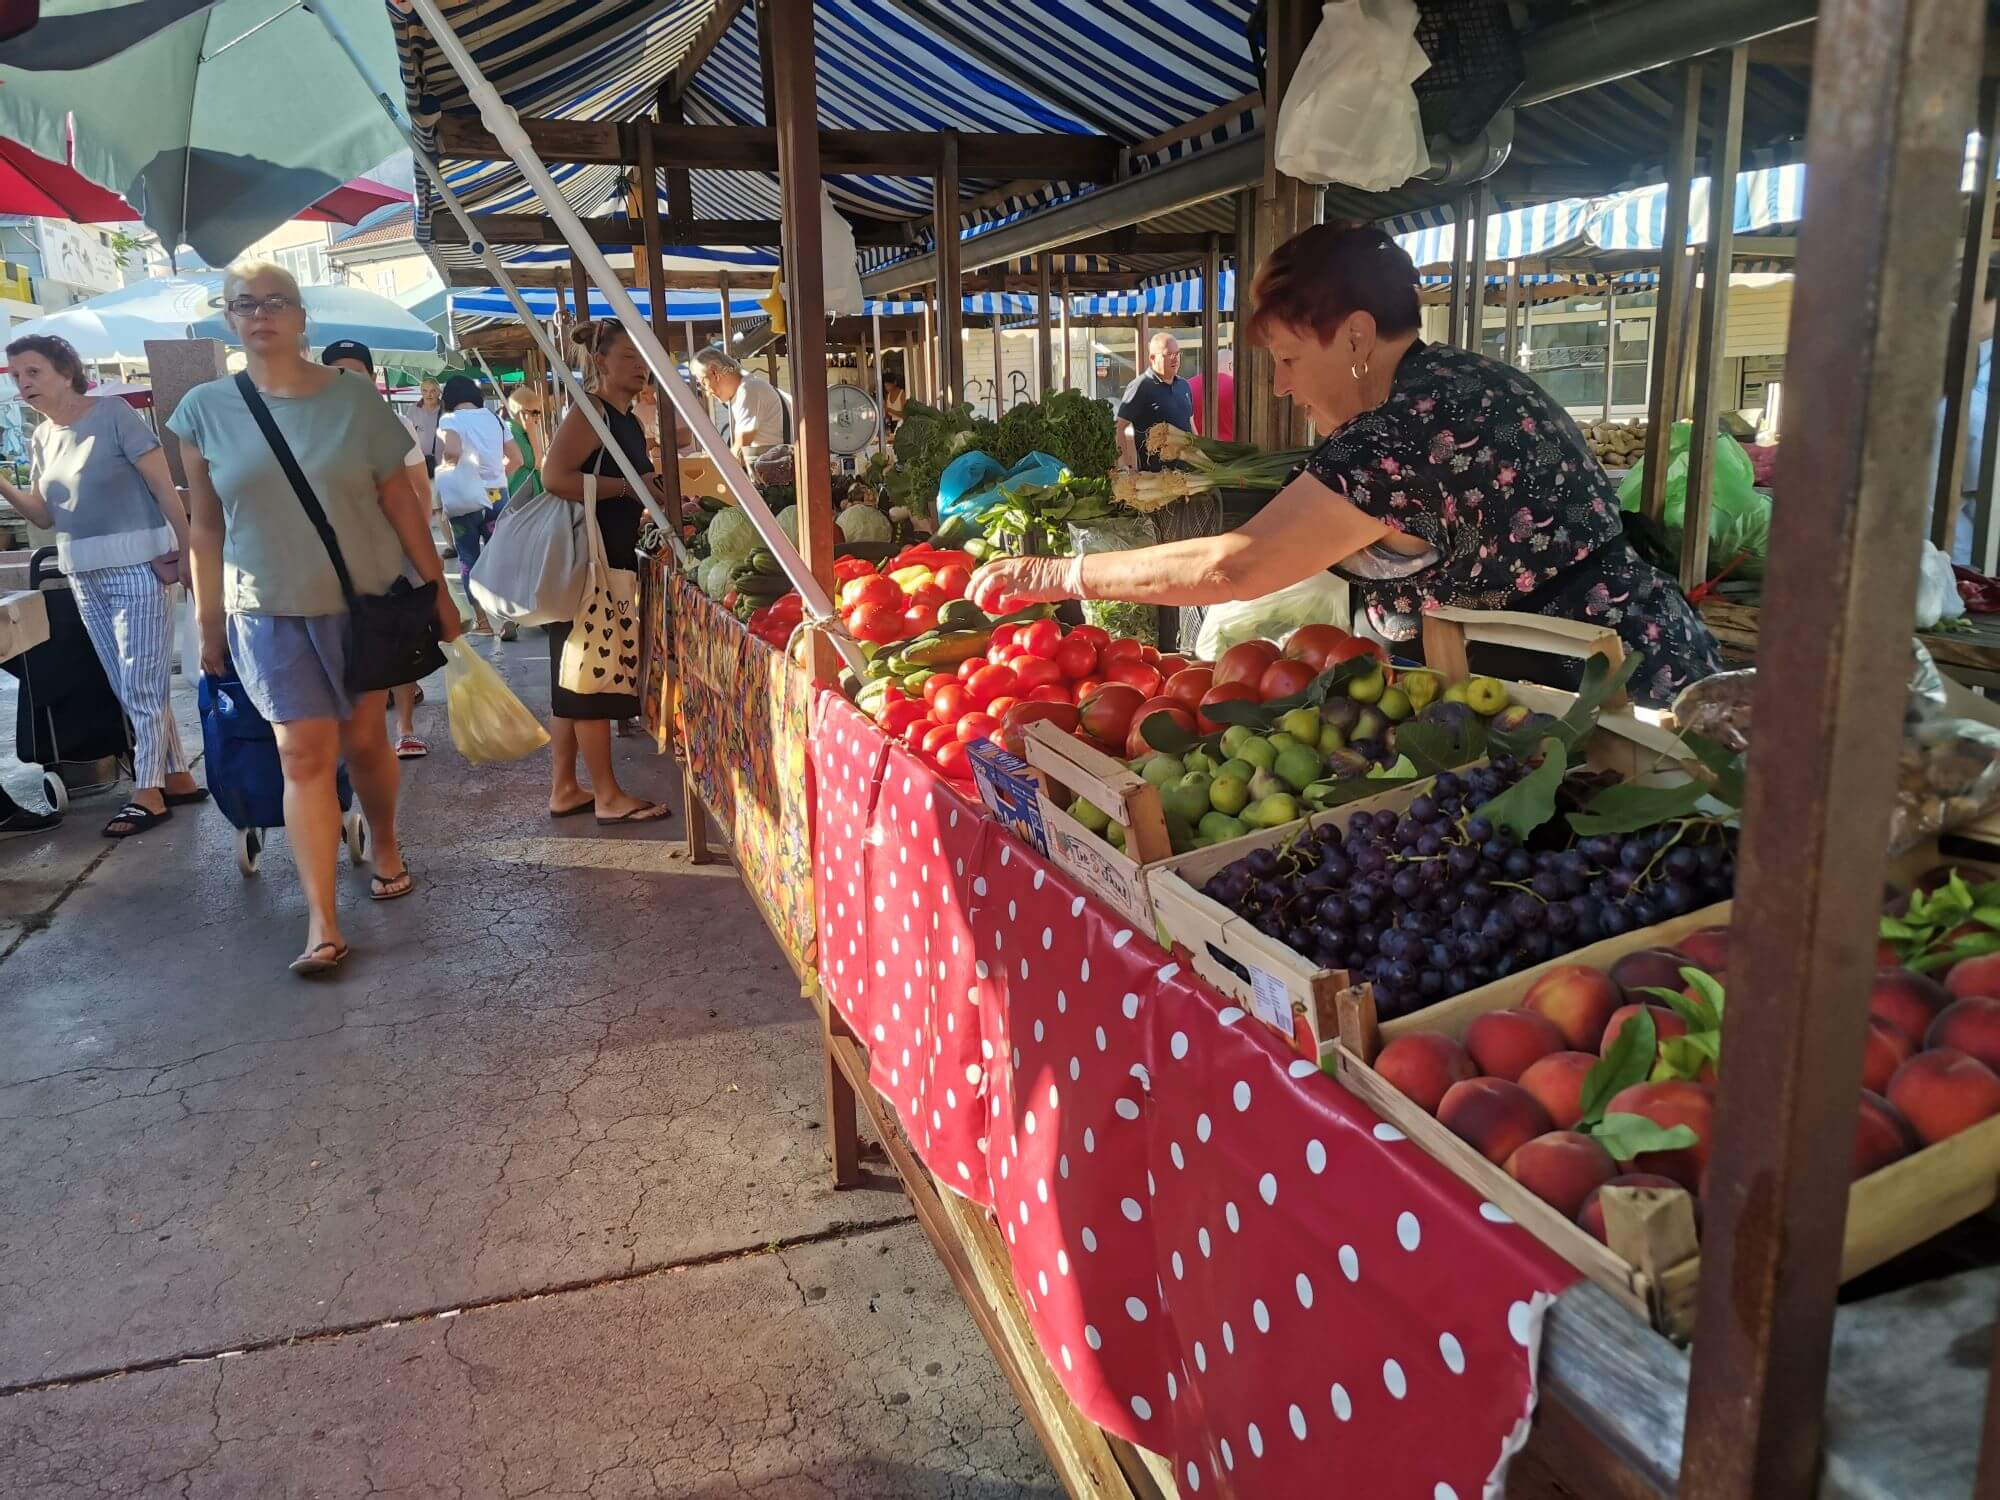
(347, 441)
(101, 510)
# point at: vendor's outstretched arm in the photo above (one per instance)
(1305, 529)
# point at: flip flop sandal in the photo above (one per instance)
(391, 887)
(137, 820)
(569, 812)
(320, 958)
(185, 799)
(653, 812)
(409, 747)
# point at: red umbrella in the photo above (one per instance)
(36, 186)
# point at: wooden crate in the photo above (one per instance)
(1066, 768)
(1448, 632)
(1658, 1273)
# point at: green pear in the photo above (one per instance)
(1421, 688)
(1260, 753)
(1220, 827)
(1281, 742)
(1486, 695)
(1114, 835)
(1200, 759)
(1235, 737)
(1331, 739)
(1242, 770)
(1089, 815)
(1266, 784)
(1228, 794)
(1162, 769)
(1273, 811)
(1180, 834)
(1369, 688)
(1299, 767)
(1395, 705)
(1186, 799)
(1455, 693)
(1372, 725)
(1302, 724)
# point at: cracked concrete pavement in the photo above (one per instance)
(567, 1094)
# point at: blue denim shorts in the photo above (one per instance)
(293, 666)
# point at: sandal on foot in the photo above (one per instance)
(186, 799)
(409, 747)
(569, 812)
(135, 819)
(320, 958)
(390, 887)
(652, 812)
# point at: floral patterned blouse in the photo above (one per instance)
(1479, 461)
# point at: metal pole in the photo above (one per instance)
(1961, 369)
(1512, 337)
(1985, 535)
(1045, 362)
(1069, 380)
(1663, 392)
(1455, 295)
(999, 362)
(1610, 348)
(500, 120)
(950, 283)
(930, 361)
(656, 277)
(1892, 100)
(1712, 333)
(881, 401)
(728, 323)
(1211, 334)
(1475, 290)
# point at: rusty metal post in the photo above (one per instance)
(1211, 334)
(647, 193)
(1610, 349)
(1892, 100)
(1726, 149)
(950, 283)
(1985, 534)
(1069, 378)
(1663, 393)
(1045, 354)
(1246, 261)
(1961, 369)
(999, 360)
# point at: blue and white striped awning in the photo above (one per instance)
(1512, 234)
(546, 303)
(1636, 220)
(1165, 297)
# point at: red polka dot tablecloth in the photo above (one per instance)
(1225, 1257)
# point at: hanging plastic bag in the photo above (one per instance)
(488, 723)
(841, 286)
(1350, 115)
(1321, 599)
(1739, 522)
(1141, 622)
(1937, 588)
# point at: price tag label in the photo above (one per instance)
(1269, 1000)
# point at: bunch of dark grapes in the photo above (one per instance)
(1436, 901)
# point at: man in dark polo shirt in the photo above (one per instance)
(1158, 395)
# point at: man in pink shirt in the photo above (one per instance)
(1225, 397)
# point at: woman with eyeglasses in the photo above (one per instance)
(266, 594)
(100, 482)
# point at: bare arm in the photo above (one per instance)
(452, 447)
(28, 502)
(569, 450)
(204, 557)
(1128, 448)
(420, 485)
(1306, 529)
(510, 454)
(159, 479)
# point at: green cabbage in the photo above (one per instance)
(788, 522)
(731, 537)
(716, 573)
(864, 523)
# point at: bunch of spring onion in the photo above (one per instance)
(1201, 464)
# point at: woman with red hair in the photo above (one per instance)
(1446, 478)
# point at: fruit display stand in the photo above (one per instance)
(1068, 769)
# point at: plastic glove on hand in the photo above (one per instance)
(1010, 583)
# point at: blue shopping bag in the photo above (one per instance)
(240, 755)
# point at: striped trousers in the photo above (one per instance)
(129, 616)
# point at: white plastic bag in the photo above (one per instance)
(1937, 588)
(533, 568)
(1350, 115)
(842, 286)
(1318, 600)
(488, 723)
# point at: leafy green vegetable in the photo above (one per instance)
(925, 445)
(1627, 1136)
(1072, 428)
(1923, 935)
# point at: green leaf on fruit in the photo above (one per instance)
(1354, 789)
(1944, 958)
(1892, 927)
(1724, 764)
(1241, 711)
(1687, 1057)
(1707, 986)
(1629, 1061)
(1401, 770)
(1695, 1012)
(1434, 747)
(1531, 801)
(1165, 733)
(1600, 681)
(1986, 916)
(1625, 807)
(1338, 675)
(1627, 1136)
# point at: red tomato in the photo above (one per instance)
(1097, 635)
(1122, 649)
(1005, 635)
(1032, 672)
(1062, 715)
(918, 618)
(1355, 646)
(1315, 644)
(970, 665)
(1285, 677)
(976, 727)
(847, 569)
(1171, 664)
(991, 682)
(1149, 654)
(951, 759)
(1245, 662)
(899, 716)
(1224, 692)
(876, 622)
(1190, 685)
(952, 579)
(1083, 687)
(872, 589)
(951, 703)
(1106, 714)
(1137, 674)
(1041, 637)
(944, 734)
(1076, 658)
(999, 706)
(1002, 656)
(933, 684)
(931, 594)
(1054, 692)
(914, 731)
(1135, 739)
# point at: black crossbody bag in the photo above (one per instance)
(392, 638)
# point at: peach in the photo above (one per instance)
(1886, 1050)
(1504, 1042)
(1424, 1065)
(1944, 1091)
(1556, 1081)
(1971, 1025)
(1667, 1104)
(1496, 1118)
(1908, 1001)
(1579, 1000)
(1666, 1023)
(1647, 967)
(1590, 1218)
(1562, 1168)
(1881, 1135)
(1975, 976)
(1707, 949)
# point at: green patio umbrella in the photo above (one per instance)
(217, 122)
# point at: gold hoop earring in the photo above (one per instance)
(1360, 374)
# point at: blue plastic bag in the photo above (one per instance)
(240, 757)
(965, 487)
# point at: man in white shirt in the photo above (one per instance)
(758, 416)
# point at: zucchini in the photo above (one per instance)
(950, 648)
(961, 614)
(766, 562)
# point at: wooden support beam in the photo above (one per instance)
(674, 90)
(1211, 336)
(646, 191)
(951, 350)
(1732, 70)
(533, 229)
(1663, 393)
(1247, 265)
(796, 97)
(1068, 380)
(1892, 102)
(999, 368)
(1284, 207)
(1045, 370)
(1961, 369)
(1042, 156)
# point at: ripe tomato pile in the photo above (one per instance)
(894, 602)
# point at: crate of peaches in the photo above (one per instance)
(1579, 1096)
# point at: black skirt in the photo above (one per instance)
(620, 520)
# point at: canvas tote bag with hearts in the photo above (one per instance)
(602, 652)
